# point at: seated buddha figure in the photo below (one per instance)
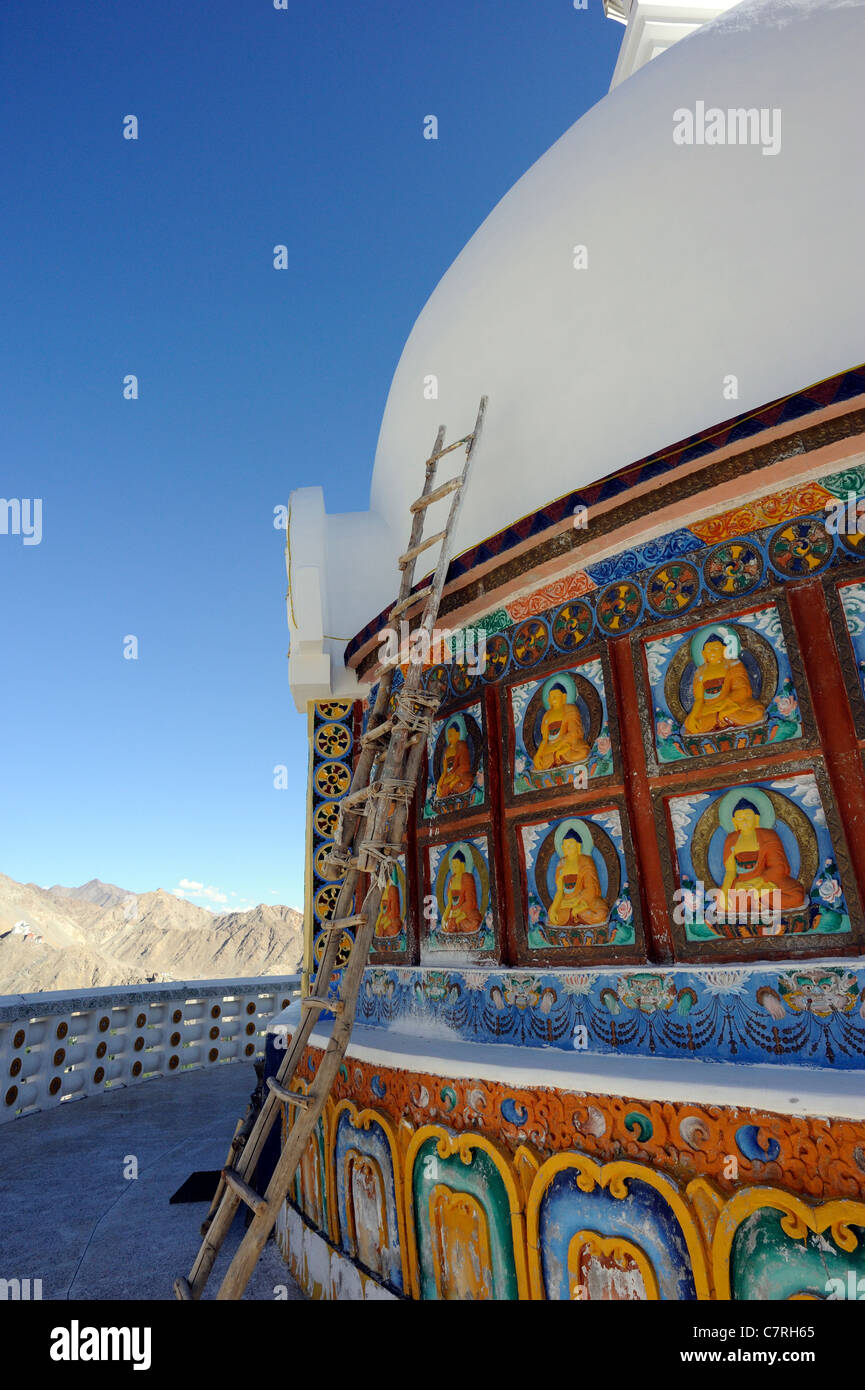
(578, 901)
(562, 738)
(755, 862)
(723, 696)
(389, 920)
(462, 914)
(456, 774)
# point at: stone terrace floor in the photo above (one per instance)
(70, 1218)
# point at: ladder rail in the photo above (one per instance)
(419, 517)
(368, 752)
(375, 831)
(247, 1254)
(413, 678)
(446, 552)
(239, 1271)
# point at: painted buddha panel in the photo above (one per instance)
(389, 922)
(723, 694)
(462, 914)
(456, 774)
(563, 740)
(755, 861)
(578, 900)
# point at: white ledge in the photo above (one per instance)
(788, 1090)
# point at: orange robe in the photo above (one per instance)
(768, 862)
(562, 739)
(465, 901)
(389, 921)
(745, 709)
(581, 885)
(456, 770)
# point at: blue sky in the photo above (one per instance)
(155, 257)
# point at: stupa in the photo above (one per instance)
(611, 1041)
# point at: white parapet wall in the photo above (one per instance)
(65, 1045)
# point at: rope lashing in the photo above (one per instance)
(383, 858)
(394, 789)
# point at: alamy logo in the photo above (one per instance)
(76, 1343)
(848, 517)
(439, 648)
(20, 1289)
(738, 126)
(21, 516)
(735, 907)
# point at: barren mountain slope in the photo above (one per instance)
(134, 938)
(102, 894)
(62, 922)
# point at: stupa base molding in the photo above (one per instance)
(432, 1186)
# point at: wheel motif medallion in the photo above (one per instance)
(332, 740)
(497, 653)
(571, 626)
(735, 567)
(800, 548)
(461, 680)
(619, 607)
(673, 587)
(325, 818)
(531, 640)
(332, 779)
(325, 902)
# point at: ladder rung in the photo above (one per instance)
(437, 493)
(441, 453)
(289, 1097)
(388, 788)
(337, 861)
(419, 697)
(313, 1001)
(182, 1289)
(406, 603)
(377, 732)
(419, 549)
(247, 1194)
(342, 923)
(356, 796)
(394, 789)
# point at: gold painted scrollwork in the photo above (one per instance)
(797, 1220)
(616, 1178)
(462, 1259)
(526, 1165)
(463, 1145)
(706, 1202)
(312, 1187)
(365, 1119)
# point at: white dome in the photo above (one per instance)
(704, 262)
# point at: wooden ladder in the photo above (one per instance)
(369, 838)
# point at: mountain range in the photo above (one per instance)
(99, 934)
